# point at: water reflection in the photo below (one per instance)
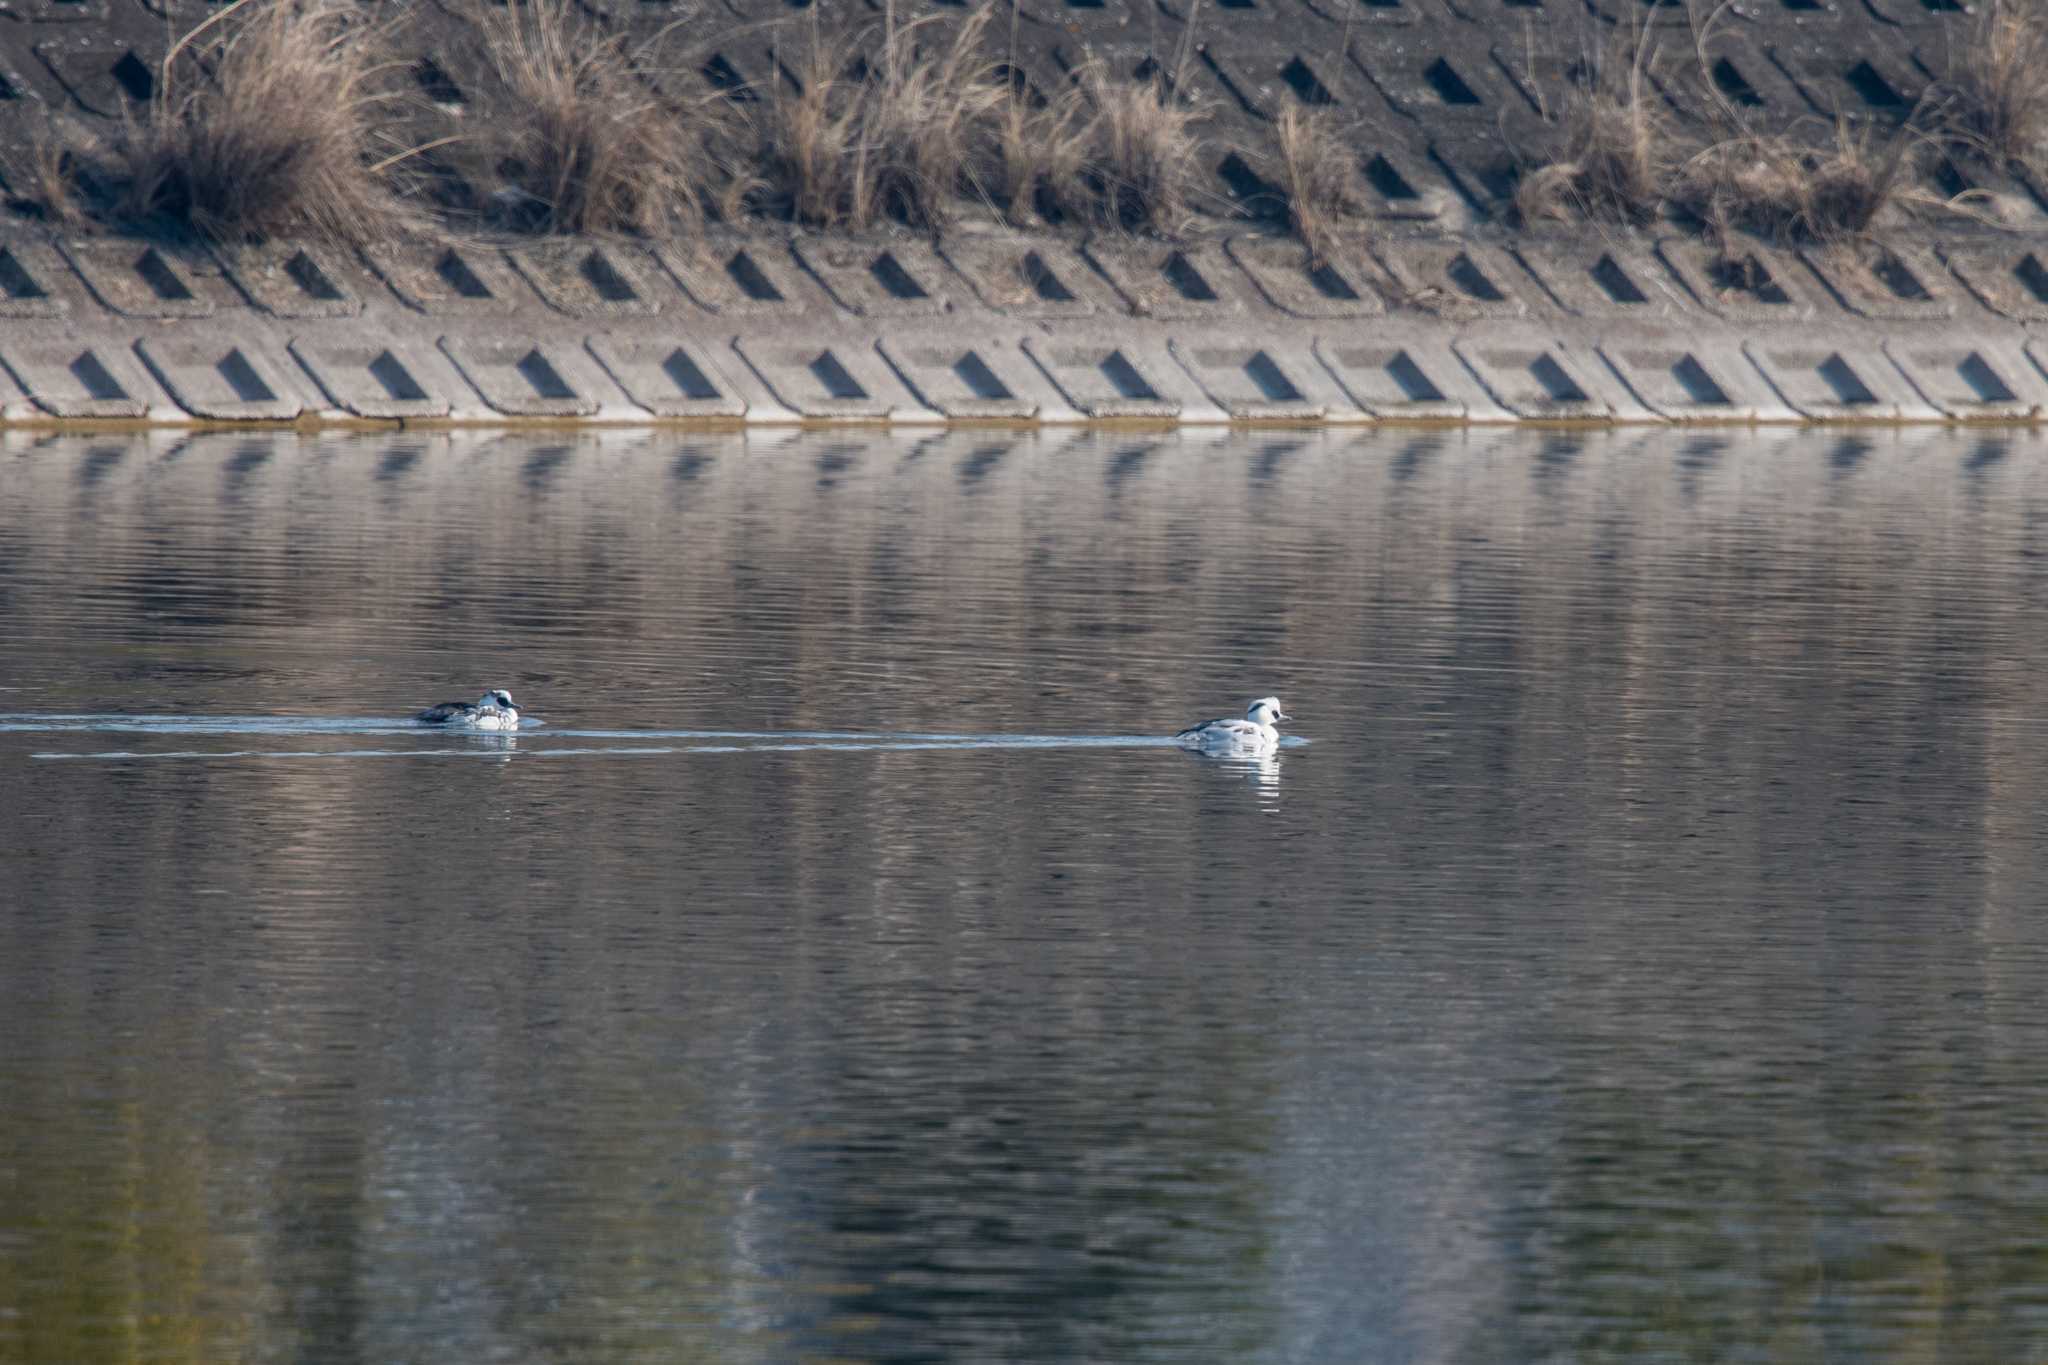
(1641, 963)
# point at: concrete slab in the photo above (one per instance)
(1264, 380)
(1102, 380)
(1838, 383)
(835, 382)
(139, 280)
(1162, 280)
(2008, 279)
(521, 377)
(1031, 277)
(1340, 286)
(1537, 377)
(968, 380)
(1453, 279)
(220, 379)
(369, 379)
(1895, 283)
(295, 280)
(899, 279)
(1408, 374)
(669, 377)
(1695, 379)
(33, 280)
(449, 281)
(1972, 378)
(71, 379)
(742, 276)
(1754, 284)
(591, 279)
(1601, 279)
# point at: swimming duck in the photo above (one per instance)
(492, 711)
(1254, 734)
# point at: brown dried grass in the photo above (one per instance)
(1144, 155)
(1997, 88)
(284, 139)
(1620, 145)
(1783, 188)
(1320, 175)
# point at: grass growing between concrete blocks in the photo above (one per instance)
(279, 139)
(1997, 87)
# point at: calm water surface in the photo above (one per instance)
(1643, 960)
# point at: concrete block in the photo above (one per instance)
(369, 379)
(1408, 375)
(526, 378)
(1337, 287)
(1265, 380)
(741, 276)
(295, 280)
(2012, 280)
(33, 280)
(1753, 285)
(902, 279)
(1849, 383)
(669, 377)
(1695, 379)
(1972, 378)
(1602, 279)
(1453, 279)
(1892, 283)
(220, 380)
(74, 380)
(144, 281)
(590, 279)
(1161, 280)
(1539, 378)
(834, 382)
(1031, 277)
(967, 381)
(1107, 381)
(449, 281)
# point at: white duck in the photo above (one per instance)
(492, 711)
(1255, 734)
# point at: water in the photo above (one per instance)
(1641, 961)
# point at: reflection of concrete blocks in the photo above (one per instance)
(143, 281)
(369, 380)
(522, 378)
(1413, 378)
(970, 382)
(290, 280)
(669, 378)
(1972, 379)
(66, 379)
(1541, 379)
(1270, 382)
(1688, 381)
(902, 279)
(1838, 384)
(1338, 287)
(827, 383)
(219, 381)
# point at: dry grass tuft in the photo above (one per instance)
(1144, 155)
(899, 143)
(1997, 89)
(1039, 153)
(585, 144)
(1782, 188)
(1320, 175)
(1620, 147)
(280, 141)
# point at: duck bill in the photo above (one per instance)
(1279, 716)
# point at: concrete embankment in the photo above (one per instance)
(1433, 305)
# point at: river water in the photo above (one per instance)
(1642, 958)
